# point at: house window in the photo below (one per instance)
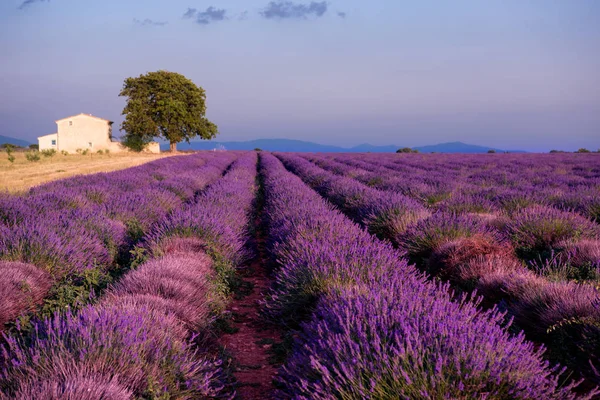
(70, 123)
(54, 143)
(90, 144)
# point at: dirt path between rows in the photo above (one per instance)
(251, 343)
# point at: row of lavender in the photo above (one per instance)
(479, 253)
(64, 239)
(475, 183)
(373, 326)
(147, 336)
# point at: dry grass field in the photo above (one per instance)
(23, 174)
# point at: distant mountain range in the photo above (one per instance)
(310, 147)
(11, 140)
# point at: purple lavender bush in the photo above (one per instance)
(144, 349)
(76, 385)
(22, 288)
(402, 342)
(182, 282)
(538, 231)
(459, 260)
(430, 234)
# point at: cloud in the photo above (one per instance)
(243, 16)
(27, 3)
(149, 22)
(342, 14)
(190, 13)
(211, 14)
(289, 10)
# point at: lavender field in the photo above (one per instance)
(388, 276)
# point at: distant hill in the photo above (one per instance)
(264, 144)
(310, 147)
(11, 140)
(459, 147)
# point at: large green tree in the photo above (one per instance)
(164, 105)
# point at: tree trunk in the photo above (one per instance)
(173, 147)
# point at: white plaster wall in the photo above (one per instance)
(45, 142)
(84, 132)
(153, 147)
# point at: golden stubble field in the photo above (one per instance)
(23, 174)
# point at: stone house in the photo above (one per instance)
(85, 131)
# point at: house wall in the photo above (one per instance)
(45, 142)
(86, 132)
(153, 147)
(116, 147)
(83, 132)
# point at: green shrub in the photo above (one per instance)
(64, 153)
(9, 151)
(48, 153)
(34, 146)
(32, 156)
(406, 150)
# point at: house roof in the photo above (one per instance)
(84, 115)
(52, 134)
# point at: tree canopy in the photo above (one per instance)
(164, 105)
(406, 150)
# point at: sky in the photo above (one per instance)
(510, 74)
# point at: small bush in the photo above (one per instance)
(578, 261)
(450, 260)
(100, 152)
(32, 156)
(64, 153)
(258, 149)
(467, 203)
(406, 150)
(392, 223)
(79, 151)
(427, 236)
(34, 146)
(583, 150)
(491, 151)
(48, 153)
(9, 151)
(539, 231)
(85, 152)
(22, 287)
